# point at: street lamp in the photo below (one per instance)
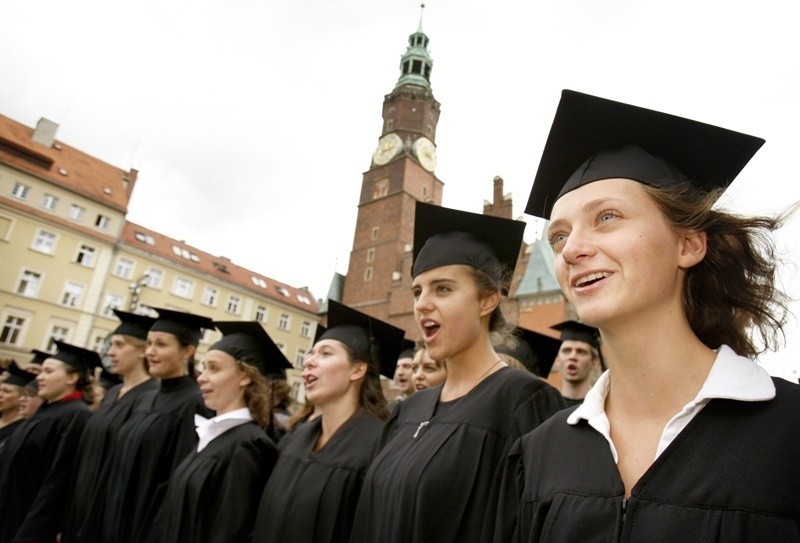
(136, 291)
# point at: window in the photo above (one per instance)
(45, 242)
(305, 329)
(375, 230)
(76, 212)
(100, 344)
(381, 188)
(257, 281)
(20, 191)
(182, 287)
(283, 291)
(233, 304)
(124, 268)
(144, 238)
(424, 191)
(282, 347)
(85, 256)
(72, 294)
(49, 202)
(301, 357)
(59, 333)
(155, 278)
(29, 283)
(368, 274)
(283, 322)
(303, 299)
(370, 254)
(261, 313)
(12, 330)
(113, 301)
(102, 222)
(209, 296)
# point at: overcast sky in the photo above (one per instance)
(251, 122)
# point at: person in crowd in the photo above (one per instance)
(437, 475)
(126, 352)
(403, 373)
(10, 393)
(30, 402)
(578, 360)
(214, 493)
(427, 372)
(312, 492)
(529, 350)
(35, 364)
(160, 432)
(37, 458)
(684, 437)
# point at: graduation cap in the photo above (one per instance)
(362, 333)
(594, 138)
(18, 376)
(247, 340)
(577, 331)
(79, 358)
(536, 351)
(444, 236)
(39, 356)
(133, 324)
(185, 326)
(408, 349)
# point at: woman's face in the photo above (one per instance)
(328, 374)
(222, 382)
(166, 358)
(29, 403)
(56, 380)
(9, 398)
(126, 354)
(426, 373)
(448, 310)
(616, 258)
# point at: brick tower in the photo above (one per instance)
(378, 279)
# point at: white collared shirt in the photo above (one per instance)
(210, 429)
(732, 377)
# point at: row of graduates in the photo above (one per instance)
(663, 448)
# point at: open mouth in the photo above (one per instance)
(590, 279)
(429, 329)
(309, 381)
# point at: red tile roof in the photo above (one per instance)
(65, 166)
(182, 254)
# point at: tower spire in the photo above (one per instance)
(416, 63)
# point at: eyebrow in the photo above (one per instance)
(587, 207)
(436, 282)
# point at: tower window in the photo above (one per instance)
(368, 274)
(375, 230)
(370, 254)
(381, 188)
(416, 67)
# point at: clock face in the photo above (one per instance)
(425, 150)
(388, 148)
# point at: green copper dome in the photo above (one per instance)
(416, 63)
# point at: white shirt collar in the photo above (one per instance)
(210, 429)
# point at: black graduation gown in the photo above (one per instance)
(437, 478)
(310, 496)
(732, 475)
(94, 449)
(36, 470)
(213, 495)
(150, 445)
(6, 431)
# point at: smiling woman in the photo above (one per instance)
(678, 439)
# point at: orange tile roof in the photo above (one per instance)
(65, 166)
(157, 244)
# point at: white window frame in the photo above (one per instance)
(210, 296)
(31, 289)
(102, 222)
(234, 304)
(305, 328)
(72, 294)
(124, 267)
(85, 255)
(112, 301)
(189, 287)
(263, 310)
(300, 358)
(49, 201)
(18, 330)
(284, 321)
(154, 273)
(76, 212)
(59, 332)
(20, 191)
(40, 243)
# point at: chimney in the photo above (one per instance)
(45, 132)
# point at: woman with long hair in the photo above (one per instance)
(126, 352)
(437, 476)
(160, 432)
(683, 438)
(312, 492)
(37, 459)
(214, 493)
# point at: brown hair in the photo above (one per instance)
(489, 282)
(256, 394)
(733, 289)
(370, 398)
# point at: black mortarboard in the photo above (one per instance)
(536, 351)
(363, 334)
(594, 138)
(444, 236)
(39, 356)
(247, 340)
(18, 376)
(133, 324)
(187, 327)
(408, 349)
(577, 331)
(77, 357)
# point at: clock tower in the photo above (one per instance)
(402, 171)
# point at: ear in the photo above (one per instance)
(189, 351)
(489, 303)
(72, 378)
(359, 371)
(693, 248)
(245, 380)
